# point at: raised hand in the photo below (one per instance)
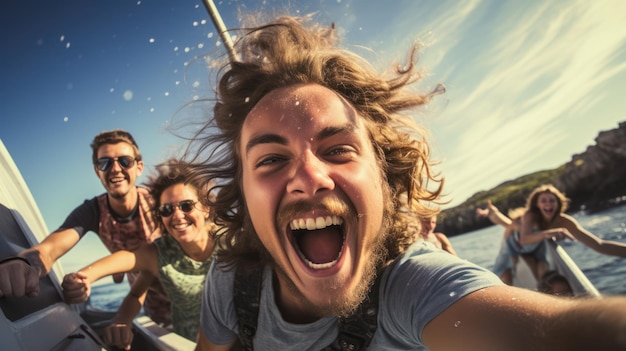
(485, 212)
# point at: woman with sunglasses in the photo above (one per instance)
(180, 258)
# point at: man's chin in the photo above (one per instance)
(118, 192)
(338, 296)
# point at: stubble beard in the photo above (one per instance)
(118, 194)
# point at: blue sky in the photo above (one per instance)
(529, 83)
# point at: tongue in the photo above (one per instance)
(322, 245)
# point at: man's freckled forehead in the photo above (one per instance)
(302, 108)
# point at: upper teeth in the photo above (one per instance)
(315, 223)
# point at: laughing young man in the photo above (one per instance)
(323, 182)
(121, 217)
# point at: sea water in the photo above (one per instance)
(607, 273)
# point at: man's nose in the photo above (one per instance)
(116, 167)
(311, 175)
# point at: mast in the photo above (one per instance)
(221, 29)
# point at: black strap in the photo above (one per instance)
(247, 296)
(355, 332)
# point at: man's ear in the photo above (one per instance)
(139, 168)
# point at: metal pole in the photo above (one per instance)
(221, 28)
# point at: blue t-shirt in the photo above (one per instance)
(419, 286)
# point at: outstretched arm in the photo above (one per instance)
(77, 286)
(530, 236)
(18, 278)
(607, 247)
(494, 215)
(517, 319)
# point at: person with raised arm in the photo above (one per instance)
(545, 217)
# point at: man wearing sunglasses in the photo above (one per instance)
(121, 217)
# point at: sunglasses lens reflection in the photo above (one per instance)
(167, 210)
(105, 163)
(186, 206)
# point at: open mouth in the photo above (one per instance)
(117, 179)
(319, 241)
(180, 226)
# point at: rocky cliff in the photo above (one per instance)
(592, 180)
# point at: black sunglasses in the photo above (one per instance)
(167, 210)
(104, 163)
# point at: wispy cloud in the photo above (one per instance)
(519, 76)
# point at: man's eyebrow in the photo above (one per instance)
(334, 130)
(265, 139)
(270, 138)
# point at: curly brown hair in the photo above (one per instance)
(172, 172)
(289, 51)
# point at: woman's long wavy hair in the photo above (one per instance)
(533, 199)
(288, 51)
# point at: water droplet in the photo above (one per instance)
(65, 119)
(452, 293)
(128, 95)
(151, 40)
